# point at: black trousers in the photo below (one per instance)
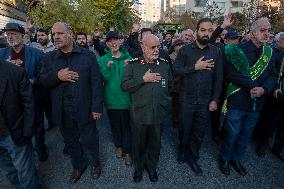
(279, 137)
(195, 121)
(40, 131)
(121, 130)
(175, 110)
(215, 122)
(81, 141)
(146, 146)
(47, 110)
(271, 117)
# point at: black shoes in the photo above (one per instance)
(76, 175)
(180, 156)
(96, 171)
(238, 167)
(153, 176)
(66, 151)
(224, 167)
(195, 168)
(42, 155)
(262, 149)
(277, 153)
(137, 177)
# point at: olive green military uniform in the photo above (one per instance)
(149, 106)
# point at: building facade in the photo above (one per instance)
(12, 11)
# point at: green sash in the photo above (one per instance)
(237, 57)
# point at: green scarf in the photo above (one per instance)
(237, 57)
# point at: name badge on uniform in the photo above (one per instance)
(163, 82)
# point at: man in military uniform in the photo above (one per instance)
(148, 80)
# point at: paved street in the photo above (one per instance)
(264, 173)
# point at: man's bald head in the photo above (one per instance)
(149, 38)
(150, 47)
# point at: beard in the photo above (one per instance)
(115, 48)
(203, 40)
(43, 42)
(14, 43)
(155, 56)
(83, 46)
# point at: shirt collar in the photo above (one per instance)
(76, 49)
(193, 45)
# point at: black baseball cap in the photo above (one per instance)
(231, 35)
(11, 26)
(113, 34)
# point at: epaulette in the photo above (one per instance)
(163, 60)
(132, 60)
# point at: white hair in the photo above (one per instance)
(254, 24)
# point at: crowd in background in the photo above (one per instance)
(205, 77)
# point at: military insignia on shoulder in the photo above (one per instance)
(163, 60)
(132, 60)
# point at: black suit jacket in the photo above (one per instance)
(17, 102)
(87, 91)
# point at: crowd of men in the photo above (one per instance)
(208, 78)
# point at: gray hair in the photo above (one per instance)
(254, 24)
(277, 36)
(67, 26)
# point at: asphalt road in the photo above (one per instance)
(267, 172)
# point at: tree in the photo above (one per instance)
(240, 22)
(84, 15)
(189, 19)
(256, 9)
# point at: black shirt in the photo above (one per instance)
(199, 86)
(67, 97)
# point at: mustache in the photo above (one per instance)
(205, 37)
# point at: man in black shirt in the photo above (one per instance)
(200, 65)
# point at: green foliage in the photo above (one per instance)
(84, 15)
(240, 22)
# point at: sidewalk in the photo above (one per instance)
(265, 172)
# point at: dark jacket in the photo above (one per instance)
(17, 102)
(242, 100)
(149, 101)
(99, 46)
(199, 86)
(33, 58)
(87, 91)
